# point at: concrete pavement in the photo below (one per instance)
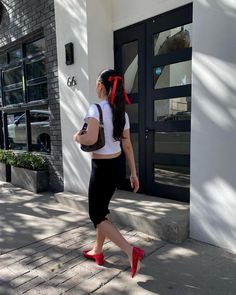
(41, 243)
(162, 218)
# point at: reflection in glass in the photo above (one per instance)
(132, 111)
(0, 92)
(3, 59)
(130, 66)
(173, 75)
(172, 175)
(15, 55)
(14, 96)
(172, 109)
(39, 91)
(173, 40)
(12, 76)
(40, 133)
(16, 125)
(36, 47)
(172, 143)
(36, 69)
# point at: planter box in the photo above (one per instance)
(34, 181)
(5, 172)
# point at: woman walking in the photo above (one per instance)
(106, 163)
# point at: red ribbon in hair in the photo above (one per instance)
(113, 92)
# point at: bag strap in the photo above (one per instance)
(100, 113)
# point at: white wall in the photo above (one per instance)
(127, 12)
(213, 142)
(77, 22)
(89, 24)
(100, 40)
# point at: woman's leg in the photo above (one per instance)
(100, 239)
(110, 231)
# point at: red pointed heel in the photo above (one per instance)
(137, 255)
(98, 258)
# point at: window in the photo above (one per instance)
(36, 47)
(12, 76)
(130, 66)
(16, 128)
(0, 92)
(23, 82)
(40, 134)
(176, 74)
(173, 40)
(36, 71)
(13, 97)
(15, 55)
(3, 59)
(172, 109)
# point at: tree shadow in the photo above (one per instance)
(213, 190)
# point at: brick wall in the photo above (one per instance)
(20, 19)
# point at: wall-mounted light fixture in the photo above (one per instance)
(69, 50)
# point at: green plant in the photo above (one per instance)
(29, 160)
(6, 156)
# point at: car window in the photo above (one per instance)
(38, 117)
(22, 120)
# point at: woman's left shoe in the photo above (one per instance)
(98, 258)
(137, 255)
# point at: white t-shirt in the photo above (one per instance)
(111, 146)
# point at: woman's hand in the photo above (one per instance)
(134, 183)
(76, 137)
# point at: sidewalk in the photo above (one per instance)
(41, 243)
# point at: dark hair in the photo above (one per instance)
(118, 107)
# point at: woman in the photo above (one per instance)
(106, 163)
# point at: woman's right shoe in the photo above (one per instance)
(137, 255)
(98, 258)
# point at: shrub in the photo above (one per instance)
(6, 156)
(29, 160)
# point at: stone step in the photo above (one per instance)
(162, 218)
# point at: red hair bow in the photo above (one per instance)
(115, 80)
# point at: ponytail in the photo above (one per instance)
(117, 99)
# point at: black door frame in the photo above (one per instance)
(143, 32)
(133, 33)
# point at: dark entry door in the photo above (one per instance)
(155, 58)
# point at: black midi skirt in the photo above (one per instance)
(105, 176)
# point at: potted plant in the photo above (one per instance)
(29, 171)
(5, 168)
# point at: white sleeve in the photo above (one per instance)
(127, 124)
(92, 113)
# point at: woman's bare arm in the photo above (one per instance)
(129, 153)
(91, 136)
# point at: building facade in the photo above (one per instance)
(29, 95)
(178, 60)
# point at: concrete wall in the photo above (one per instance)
(130, 12)
(77, 21)
(213, 142)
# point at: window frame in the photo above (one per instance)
(26, 105)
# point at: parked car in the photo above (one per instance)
(40, 134)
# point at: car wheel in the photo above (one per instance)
(44, 143)
(11, 143)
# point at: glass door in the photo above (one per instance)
(155, 58)
(168, 104)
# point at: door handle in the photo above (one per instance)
(147, 130)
